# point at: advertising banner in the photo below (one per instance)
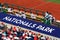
(30, 24)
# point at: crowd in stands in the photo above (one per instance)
(47, 18)
(11, 32)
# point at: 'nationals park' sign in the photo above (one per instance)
(30, 24)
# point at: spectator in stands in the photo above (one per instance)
(2, 25)
(53, 20)
(50, 18)
(33, 16)
(17, 14)
(9, 10)
(23, 15)
(30, 33)
(3, 37)
(27, 37)
(20, 12)
(46, 15)
(8, 38)
(42, 37)
(35, 37)
(20, 34)
(47, 38)
(39, 35)
(16, 38)
(4, 9)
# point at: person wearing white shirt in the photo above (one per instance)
(43, 38)
(20, 13)
(33, 16)
(17, 14)
(16, 38)
(4, 38)
(23, 15)
(7, 38)
(50, 18)
(9, 10)
(11, 36)
(27, 37)
(46, 15)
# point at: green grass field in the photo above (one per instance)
(55, 1)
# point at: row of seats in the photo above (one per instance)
(13, 11)
(30, 15)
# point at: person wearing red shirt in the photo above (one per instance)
(35, 37)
